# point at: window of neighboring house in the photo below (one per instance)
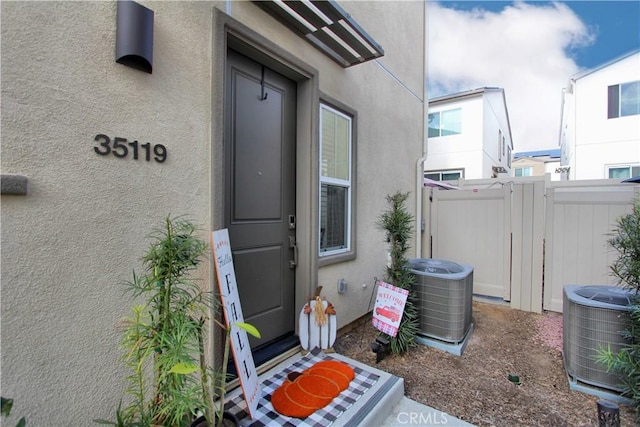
(623, 171)
(504, 143)
(336, 129)
(445, 123)
(624, 100)
(499, 144)
(526, 171)
(508, 156)
(449, 175)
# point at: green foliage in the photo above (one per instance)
(398, 225)
(626, 241)
(626, 268)
(5, 410)
(162, 338)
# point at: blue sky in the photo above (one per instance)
(530, 49)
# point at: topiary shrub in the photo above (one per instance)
(398, 225)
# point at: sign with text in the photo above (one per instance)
(387, 313)
(232, 314)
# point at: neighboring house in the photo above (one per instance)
(469, 136)
(600, 125)
(288, 128)
(537, 163)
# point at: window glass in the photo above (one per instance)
(526, 171)
(630, 99)
(333, 217)
(434, 125)
(619, 173)
(451, 122)
(335, 146)
(335, 181)
(450, 176)
(445, 123)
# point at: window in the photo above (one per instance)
(445, 123)
(509, 155)
(450, 175)
(624, 100)
(335, 181)
(526, 171)
(499, 144)
(623, 171)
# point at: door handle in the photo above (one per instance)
(293, 245)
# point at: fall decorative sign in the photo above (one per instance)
(387, 313)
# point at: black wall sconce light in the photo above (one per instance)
(134, 36)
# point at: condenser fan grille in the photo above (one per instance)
(594, 317)
(444, 293)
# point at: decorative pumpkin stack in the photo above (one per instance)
(303, 393)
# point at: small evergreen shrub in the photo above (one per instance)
(398, 224)
(625, 240)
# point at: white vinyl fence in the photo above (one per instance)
(527, 237)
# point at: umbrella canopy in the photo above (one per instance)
(440, 184)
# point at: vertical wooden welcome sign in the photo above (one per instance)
(232, 314)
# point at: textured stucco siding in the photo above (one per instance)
(71, 242)
(68, 245)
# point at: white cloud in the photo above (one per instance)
(525, 49)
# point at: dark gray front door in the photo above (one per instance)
(260, 194)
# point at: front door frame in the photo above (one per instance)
(230, 33)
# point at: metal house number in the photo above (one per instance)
(122, 148)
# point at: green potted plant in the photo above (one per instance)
(170, 383)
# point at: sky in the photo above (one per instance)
(529, 48)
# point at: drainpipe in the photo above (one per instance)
(425, 132)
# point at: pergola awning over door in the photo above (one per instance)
(328, 27)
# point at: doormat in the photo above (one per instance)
(267, 416)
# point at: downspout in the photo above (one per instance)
(421, 160)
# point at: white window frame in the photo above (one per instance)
(629, 166)
(523, 168)
(440, 128)
(440, 172)
(615, 100)
(344, 183)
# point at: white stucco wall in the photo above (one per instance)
(595, 141)
(464, 150)
(390, 116)
(475, 149)
(71, 242)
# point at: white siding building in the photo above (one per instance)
(537, 163)
(600, 125)
(469, 136)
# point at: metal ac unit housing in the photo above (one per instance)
(593, 317)
(444, 293)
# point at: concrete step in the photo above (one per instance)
(383, 404)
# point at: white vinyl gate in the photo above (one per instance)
(527, 238)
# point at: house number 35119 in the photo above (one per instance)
(121, 148)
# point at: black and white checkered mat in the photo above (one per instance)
(267, 416)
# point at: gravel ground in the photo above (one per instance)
(474, 387)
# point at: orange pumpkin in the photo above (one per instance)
(301, 394)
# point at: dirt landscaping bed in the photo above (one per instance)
(475, 387)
